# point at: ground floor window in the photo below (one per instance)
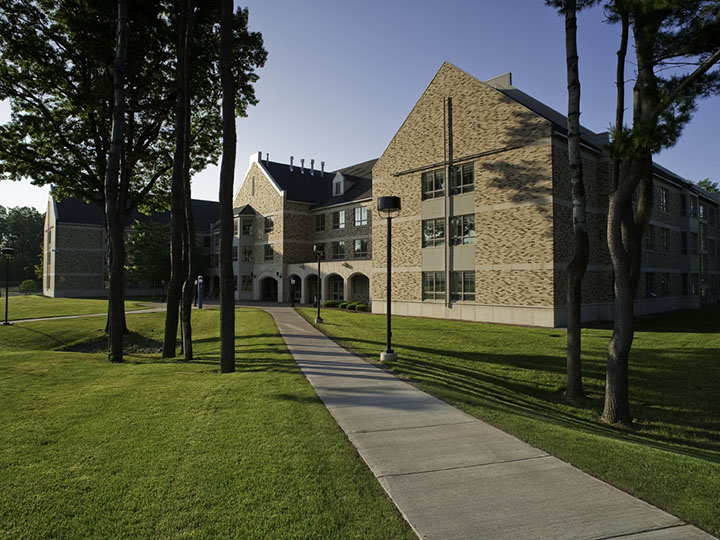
(433, 285)
(246, 282)
(462, 286)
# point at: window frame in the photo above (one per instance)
(462, 293)
(361, 216)
(433, 285)
(338, 219)
(268, 256)
(457, 225)
(360, 253)
(319, 222)
(459, 176)
(664, 200)
(338, 250)
(269, 224)
(432, 184)
(433, 241)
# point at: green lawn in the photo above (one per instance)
(168, 449)
(511, 377)
(34, 306)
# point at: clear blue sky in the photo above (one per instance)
(341, 77)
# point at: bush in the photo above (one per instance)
(343, 305)
(330, 303)
(28, 286)
(352, 305)
(361, 307)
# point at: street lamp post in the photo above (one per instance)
(389, 207)
(7, 252)
(292, 291)
(319, 250)
(200, 291)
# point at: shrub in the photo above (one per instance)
(330, 303)
(28, 286)
(343, 305)
(351, 305)
(361, 307)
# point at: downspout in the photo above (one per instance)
(447, 158)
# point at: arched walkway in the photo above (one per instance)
(269, 289)
(359, 288)
(309, 289)
(294, 291)
(335, 287)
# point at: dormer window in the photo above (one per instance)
(338, 185)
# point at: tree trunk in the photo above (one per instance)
(578, 265)
(114, 213)
(227, 174)
(188, 290)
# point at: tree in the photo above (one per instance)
(666, 34)
(21, 228)
(227, 174)
(57, 69)
(147, 254)
(707, 185)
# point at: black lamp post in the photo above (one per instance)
(292, 291)
(7, 252)
(389, 207)
(319, 250)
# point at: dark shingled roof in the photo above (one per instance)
(77, 211)
(245, 210)
(316, 188)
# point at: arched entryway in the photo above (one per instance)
(359, 288)
(269, 289)
(335, 287)
(310, 289)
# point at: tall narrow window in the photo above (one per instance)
(462, 286)
(338, 250)
(338, 219)
(247, 254)
(462, 178)
(462, 229)
(650, 238)
(269, 224)
(650, 289)
(693, 243)
(268, 253)
(360, 249)
(664, 198)
(433, 184)
(693, 206)
(361, 216)
(319, 222)
(664, 239)
(433, 232)
(433, 285)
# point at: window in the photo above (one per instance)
(693, 207)
(338, 219)
(462, 286)
(433, 184)
(703, 237)
(247, 254)
(338, 250)
(246, 283)
(361, 216)
(703, 269)
(338, 185)
(360, 249)
(236, 227)
(462, 179)
(693, 243)
(462, 229)
(235, 253)
(319, 222)
(664, 198)
(650, 238)
(703, 211)
(683, 204)
(268, 253)
(664, 284)
(711, 251)
(694, 285)
(433, 232)
(269, 224)
(664, 239)
(684, 280)
(650, 291)
(247, 227)
(683, 243)
(433, 285)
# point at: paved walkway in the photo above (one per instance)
(453, 476)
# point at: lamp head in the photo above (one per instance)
(8, 251)
(388, 206)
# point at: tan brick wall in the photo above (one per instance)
(78, 236)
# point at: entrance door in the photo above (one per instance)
(336, 288)
(269, 290)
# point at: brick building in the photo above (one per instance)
(484, 232)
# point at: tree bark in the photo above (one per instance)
(114, 213)
(188, 289)
(578, 265)
(227, 174)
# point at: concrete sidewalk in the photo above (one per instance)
(451, 475)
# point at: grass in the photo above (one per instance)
(157, 448)
(35, 306)
(512, 378)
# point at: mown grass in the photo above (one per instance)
(35, 306)
(154, 448)
(512, 377)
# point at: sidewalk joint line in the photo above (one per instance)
(405, 428)
(460, 467)
(653, 529)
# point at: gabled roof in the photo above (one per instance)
(77, 211)
(315, 187)
(245, 210)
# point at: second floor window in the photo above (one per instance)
(269, 224)
(462, 229)
(338, 250)
(650, 238)
(360, 250)
(664, 198)
(247, 254)
(665, 239)
(268, 253)
(433, 184)
(319, 222)
(247, 227)
(462, 179)
(361, 216)
(433, 232)
(338, 219)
